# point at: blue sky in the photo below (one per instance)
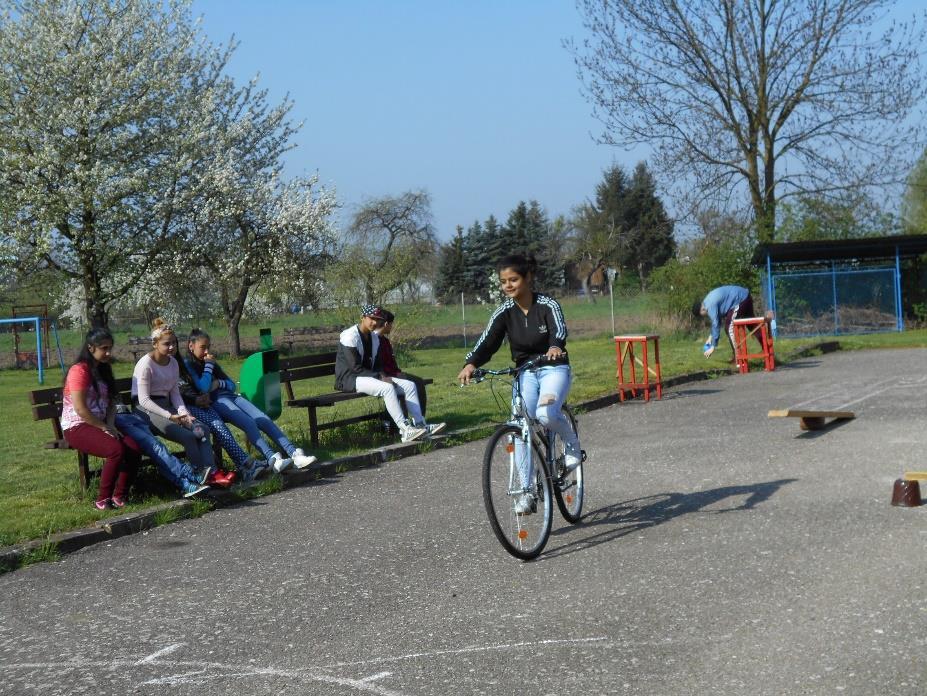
(475, 101)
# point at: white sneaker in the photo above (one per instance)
(254, 469)
(301, 460)
(411, 432)
(278, 462)
(524, 505)
(571, 462)
(432, 428)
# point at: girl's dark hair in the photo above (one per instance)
(196, 335)
(99, 372)
(697, 308)
(520, 263)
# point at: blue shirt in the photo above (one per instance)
(719, 302)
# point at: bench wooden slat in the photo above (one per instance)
(292, 375)
(46, 411)
(50, 395)
(309, 360)
(326, 399)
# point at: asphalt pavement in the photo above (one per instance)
(722, 552)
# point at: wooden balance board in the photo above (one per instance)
(811, 420)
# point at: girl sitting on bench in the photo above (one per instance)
(88, 414)
(209, 378)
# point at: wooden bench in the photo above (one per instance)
(310, 335)
(321, 365)
(139, 345)
(46, 405)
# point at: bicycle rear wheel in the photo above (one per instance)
(568, 486)
(522, 535)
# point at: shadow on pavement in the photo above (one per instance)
(826, 428)
(799, 365)
(615, 521)
(683, 393)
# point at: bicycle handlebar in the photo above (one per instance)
(479, 374)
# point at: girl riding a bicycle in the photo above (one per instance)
(534, 325)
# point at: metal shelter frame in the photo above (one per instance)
(821, 257)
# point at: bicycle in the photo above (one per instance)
(524, 458)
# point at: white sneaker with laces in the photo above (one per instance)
(301, 460)
(278, 462)
(524, 505)
(409, 432)
(572, 458)
(434, 428)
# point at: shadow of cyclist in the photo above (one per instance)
(615, 521)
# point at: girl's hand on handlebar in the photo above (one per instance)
(466, 373)
(553, 353)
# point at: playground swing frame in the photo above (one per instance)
(39, 349)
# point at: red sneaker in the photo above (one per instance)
(219, 479)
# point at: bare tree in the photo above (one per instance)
(389, 239)
(781, 97)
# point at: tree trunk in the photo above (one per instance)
(587, 286)
(233, 311)
(97, 316)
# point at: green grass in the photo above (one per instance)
(40, 493)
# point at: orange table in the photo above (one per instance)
(624, 350)
(744, 329)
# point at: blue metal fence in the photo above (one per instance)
(832, 298)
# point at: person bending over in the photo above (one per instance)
(722, 306)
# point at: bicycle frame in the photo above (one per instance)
(528, 425)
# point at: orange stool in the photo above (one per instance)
(624, 350)
(745, 328)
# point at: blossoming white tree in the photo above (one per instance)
(250, 227)
(99, 110)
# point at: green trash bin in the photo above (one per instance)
(260, 382)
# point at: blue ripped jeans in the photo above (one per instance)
(543, 391)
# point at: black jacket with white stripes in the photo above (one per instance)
(529, 334)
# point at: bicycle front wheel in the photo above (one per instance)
(568, 485)
(517, 493)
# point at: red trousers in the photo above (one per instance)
(120, 462)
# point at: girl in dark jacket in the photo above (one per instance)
(534, 325)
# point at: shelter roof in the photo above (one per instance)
(867, 248)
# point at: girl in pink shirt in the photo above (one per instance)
(87, 418)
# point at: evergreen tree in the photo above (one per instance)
(648, 231)
(495, 241)
(476, 261)
(452, 268)
(599, 228)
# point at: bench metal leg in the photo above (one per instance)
(313, 428)
(83, 470)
